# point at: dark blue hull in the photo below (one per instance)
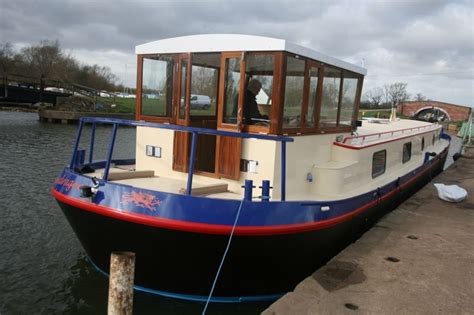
(180, 258)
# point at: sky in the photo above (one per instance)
(428, 44)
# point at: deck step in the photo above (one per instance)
(130, 174)
(206, 190)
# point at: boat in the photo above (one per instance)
(248, 196)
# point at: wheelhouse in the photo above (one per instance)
(302, 93)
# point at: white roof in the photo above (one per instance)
(235, 42)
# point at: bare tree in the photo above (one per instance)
(7, 63)
(43, 60)
(375, 97)
(419, 97)
(395, 93)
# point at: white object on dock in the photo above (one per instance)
(451, 193)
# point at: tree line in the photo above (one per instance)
(47, 61)
(388, 96)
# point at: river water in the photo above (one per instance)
(43, 268)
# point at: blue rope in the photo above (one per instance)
(223, 258)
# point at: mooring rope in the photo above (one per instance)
(223, 258)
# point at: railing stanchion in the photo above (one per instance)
(191, 163)
(91, 146)
(76, 145)
(283, 170)
(111, 150)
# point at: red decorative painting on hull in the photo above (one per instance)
(140, 199)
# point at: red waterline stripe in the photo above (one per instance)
(203, 227)
(220, 228)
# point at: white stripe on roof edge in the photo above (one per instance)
(238, 42)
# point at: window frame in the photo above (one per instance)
(407, 145)
(191, 86)
(355, 109)
(293, 130)
(139, 98)
(306, 96)
(375, 175)
(221, 92)
(275, 91)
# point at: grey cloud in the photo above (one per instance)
(398, 40)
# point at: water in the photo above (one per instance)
(43, 268)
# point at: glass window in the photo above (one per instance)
(157, 86)
(258, 76)
(349, 90)
(231, 90)
(406, 152)
(313, 86)
(182, 88)
(204, 82)
(422, 143)
(379, 160)
(330, 97)
(433, 141)
(294, 86)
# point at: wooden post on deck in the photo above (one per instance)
(122, 273)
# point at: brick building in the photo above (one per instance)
(451, 111)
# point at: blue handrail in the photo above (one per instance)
(193, 130)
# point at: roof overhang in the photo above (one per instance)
(235, 42)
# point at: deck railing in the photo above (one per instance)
(364, 139)
(194, 132)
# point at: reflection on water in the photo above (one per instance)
(43, 268)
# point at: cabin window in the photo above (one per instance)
(330, 97)
(406, 152)
(379, 160)
(313, 87)
(204, 82)
(294, 87)
(422, 143)
(258, 73)
(231, 90)
(348, 100)
(157, 86)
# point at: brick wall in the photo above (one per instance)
(455, 112)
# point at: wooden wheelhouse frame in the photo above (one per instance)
(278, 94)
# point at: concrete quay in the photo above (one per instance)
(418, 259)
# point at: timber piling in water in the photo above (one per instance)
(122, 273)
(416, 260)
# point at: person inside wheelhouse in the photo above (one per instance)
(252, 114)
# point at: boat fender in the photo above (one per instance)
(427, 156)
(456, 156)
(90, 191)
(325, 208)
(86, 191)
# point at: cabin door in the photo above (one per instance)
(196, 100)
(228, 149)
(182, 140)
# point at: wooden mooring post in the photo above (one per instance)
(122, 273)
